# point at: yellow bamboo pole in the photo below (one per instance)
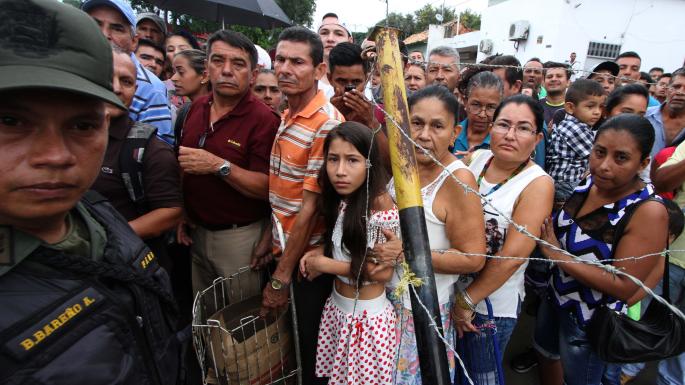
(431, 349)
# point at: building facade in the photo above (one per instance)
(596, 30)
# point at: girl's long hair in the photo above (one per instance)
(354, 227)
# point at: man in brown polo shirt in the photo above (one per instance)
(156, 206)
(224, 156)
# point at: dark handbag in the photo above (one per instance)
(657, 335)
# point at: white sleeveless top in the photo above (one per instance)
(505, 299)
(437, 234)
(387, 219)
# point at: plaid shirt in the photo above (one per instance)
(569, 150)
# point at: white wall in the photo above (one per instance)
(653, 28)
(436, 38)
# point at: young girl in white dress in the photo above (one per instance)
(357, 336)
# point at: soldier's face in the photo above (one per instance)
(51, 148)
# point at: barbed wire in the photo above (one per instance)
(608, 268)
(434, 325)
(460, 65)
(363, 262)
(522, 229)
(491, 256)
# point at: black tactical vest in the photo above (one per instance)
(67, 319)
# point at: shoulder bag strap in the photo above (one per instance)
(618, 234)
(665, 283)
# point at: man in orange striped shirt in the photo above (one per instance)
(296, 158)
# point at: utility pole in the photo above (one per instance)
(431, 349)
(387, 13)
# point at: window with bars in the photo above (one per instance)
(603, 50)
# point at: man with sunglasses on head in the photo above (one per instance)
(224, 155)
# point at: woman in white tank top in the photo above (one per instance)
(454, 219)
(517, 188)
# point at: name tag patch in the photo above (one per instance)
(54, 324)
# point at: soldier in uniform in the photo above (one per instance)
(83, 299)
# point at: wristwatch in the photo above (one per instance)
(224, 169)
(277, 284)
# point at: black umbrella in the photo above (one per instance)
(252, 13)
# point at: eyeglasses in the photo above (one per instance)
(522, 128)
(475, 108)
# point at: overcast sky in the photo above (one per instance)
(359, 15)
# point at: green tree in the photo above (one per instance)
(470, 20)
(301, 12)
(429, 15)
(420, 20)
(143, 6)
(404, 23)
(358, 37)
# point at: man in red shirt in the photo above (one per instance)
(224, 155)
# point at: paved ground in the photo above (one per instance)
(520, 341)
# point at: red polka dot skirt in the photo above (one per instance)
(359, 348)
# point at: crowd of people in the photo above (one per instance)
(137, 166)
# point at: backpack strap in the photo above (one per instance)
(131, 162)
(625, 219)
(180, 122)
(93, 197)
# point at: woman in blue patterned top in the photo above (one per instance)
(586, 226)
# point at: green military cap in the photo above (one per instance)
(48, 44)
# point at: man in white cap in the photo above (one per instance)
(332, 32)
(263, 58)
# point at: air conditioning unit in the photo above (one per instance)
(518, 30)
(485, 46)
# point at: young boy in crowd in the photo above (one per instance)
(571, 141)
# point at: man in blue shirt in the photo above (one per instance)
(668, 119)
(150, 103)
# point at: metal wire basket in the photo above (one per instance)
(234, 345)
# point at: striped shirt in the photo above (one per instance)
(296, 158)
(150, 104)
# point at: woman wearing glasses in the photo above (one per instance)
(454, 220)
(515, 187)
(483, 94)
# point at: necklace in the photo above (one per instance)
(500, 184)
